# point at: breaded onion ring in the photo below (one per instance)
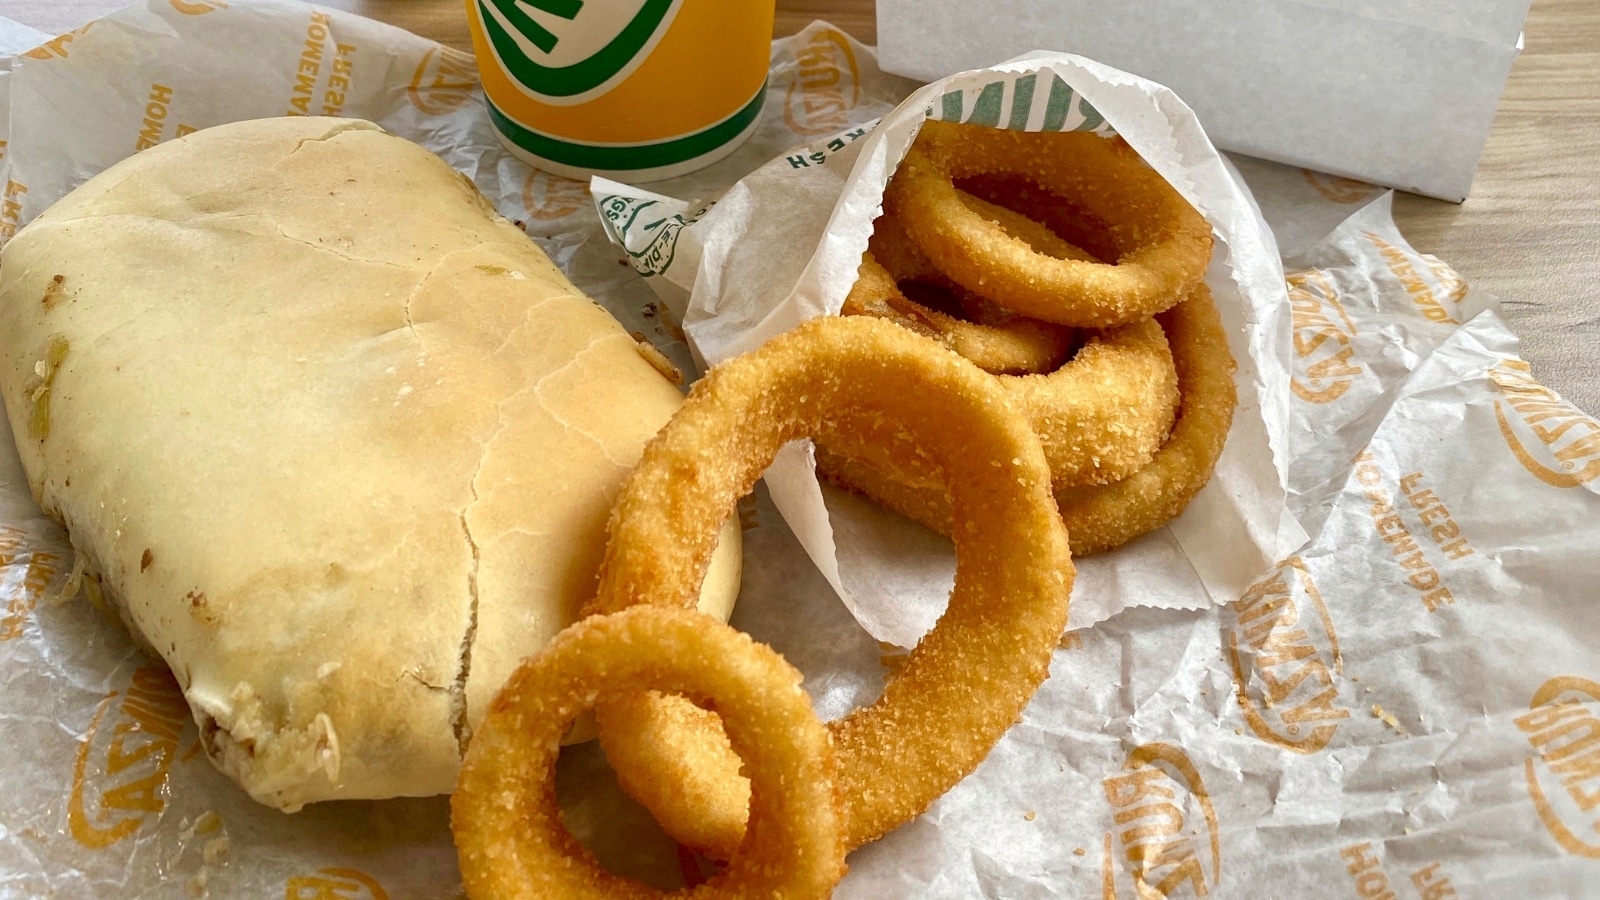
(901, 255)
(996, 340)
(1102, 415)
(1163, 244)
(1104, 517)
(1013, 346)
(1036, 233)
(1106, 413)
(967, 681)
(508, 829)
(906, 262)
(1023, 198)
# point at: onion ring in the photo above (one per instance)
(1163, 243)
(901, 255)
(507, 825)
(1100, 517)
(1106, 517)
(1033, 231)
(906, 262)
(1023, 198)
(997, 340)
(1102, 415)
(968, 680)
(1014, 346)
(1106, 413)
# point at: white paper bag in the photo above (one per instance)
(784, 243)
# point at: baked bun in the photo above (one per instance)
(337, 440)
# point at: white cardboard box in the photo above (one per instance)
(1397, 92)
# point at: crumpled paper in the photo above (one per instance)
(1407, 707)
(784, 243)
(1348, 728)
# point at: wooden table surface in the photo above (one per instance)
(1530, 233)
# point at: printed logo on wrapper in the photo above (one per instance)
(1563, 774)
(153, 125)
(1555, 441)
(1323, 335)
(1370, 880)
(1165, 827)
(819, 152)
(59, 46)
(41, 570)
(1284, 652)
(443, 82)
(197, 7)
(826, 85)
(1337, 189)
(1431, 292)
(11, 209)
(319, 54)
(1020, 103)
(1397, 536)
(119, 778)
(645, 230)
(547, 197)
(334, 884)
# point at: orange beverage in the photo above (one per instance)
(630, 89)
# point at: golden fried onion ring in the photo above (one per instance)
(996, 340)
(508, 830)
(1011, 346)
(1103, 414)
(1106, 517)
(1103, 517)
(1163, 244)
(968, 680)
(1101, 417)
(906, 262)
(1106, 413)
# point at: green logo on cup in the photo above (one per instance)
(504, 20)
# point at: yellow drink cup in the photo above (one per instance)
(631, 89)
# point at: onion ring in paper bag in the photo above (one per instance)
(862, 380)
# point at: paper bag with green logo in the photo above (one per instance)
(783, 245)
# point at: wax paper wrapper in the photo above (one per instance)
(1405, 706)
(108, 793)
(784, 243)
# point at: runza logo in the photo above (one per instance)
(548, 197)
(59, 45)
(1564, 773)
(36, 578)
(1339, 190)
(334, 884)
(197, 7)
(1541, 428)
(1322, 338)
(1285, 657)
(645, 230)
(443, 81)
(569, 51)
(826, 85)
(119, 780)
(1154, 802)
(1403, 265)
